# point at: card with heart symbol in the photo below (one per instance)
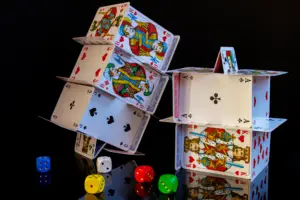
(132, 81)
(216, 149)
(107, 21)
(112, 121)
(91, 63)
(144, 38)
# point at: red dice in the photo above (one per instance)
(144, 174)
(143, 189)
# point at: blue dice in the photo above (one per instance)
(43, 164)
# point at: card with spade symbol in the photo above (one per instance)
(110, 120)
(91, 63)
(87, 146)
(128, 79)
(216, 150)
(123, 182)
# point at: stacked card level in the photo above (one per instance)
(117, 81)
(222, 116)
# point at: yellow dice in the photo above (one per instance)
(94, 183)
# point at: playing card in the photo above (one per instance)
(217, 150)
(236, 98)
(88, 146)
(201, 185)
(144, 38)
(111, 120)
(260, 152)
(91, 63)
(107, 21)
(259, 186)
(228, 60)
(131, 81)
(179, 130)
(122, 182)
(261, 97)
(71, 105)
(256, 72)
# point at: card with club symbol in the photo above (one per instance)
(101, 116)
(87, 146)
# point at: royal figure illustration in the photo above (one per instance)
(143, 38)
(230, 60)
(216, 149)
(128, 80)
(214, 188)
(108, 20)
(86, 142)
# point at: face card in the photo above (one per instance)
(111, 120)
(91, 63)
(127, 78)
(144, 38)
(71, 105)
(107, 21)
(200, 185)
(229, 60)
(122, 182)
(223, 151)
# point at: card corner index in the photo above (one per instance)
(170, 53)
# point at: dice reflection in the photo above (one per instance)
(44, 179)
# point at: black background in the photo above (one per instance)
(37, 46)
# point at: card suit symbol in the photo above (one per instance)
(111, 192)
(240, 120)
(258, 159)
(191, 159)
(97, 72)
(84, 127)
(164, 38)
(121, 10)
(83, 56)
(191, 180)
(151, 63)
(134, 112)
(252, 194)
(106, 82)
(263, 137)
(256, 189)
(93, 112)
(236, 181)
(239, 131)
(260, 148)
(72, 104)
(121, 46)
(104, 57)
(254, 145)
(254, 163)
(242, 138)
(135, 13)
(127, 127)
(254, 102)
(193, 174)
(165, 32)
(121, 39)
(267, 114)
(267, 151)
(110, 120)
(215, 98)
(259, 140)
(263, 155)
(265, 180)
(267, 135)
(77, 70)
(195, 126)
(127, 180)
(86, 48)
(190, 115)
(237, 173)
(194, 166)
(266, 96)
(241, 79)
(150, 77)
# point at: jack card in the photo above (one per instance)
(229, 60)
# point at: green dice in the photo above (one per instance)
(168, 183)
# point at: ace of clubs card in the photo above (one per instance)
(128, 79)
(229, 60)
(220, 150)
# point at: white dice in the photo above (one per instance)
(104, 164)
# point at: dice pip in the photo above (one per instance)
(104, 164)
(43, 164)
(144, 174)
(44, 179)
(94, 184)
